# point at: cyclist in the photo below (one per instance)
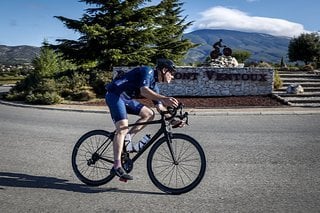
(119, 98)
(217, 47)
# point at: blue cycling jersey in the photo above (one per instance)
(123, 88)
(132, 81)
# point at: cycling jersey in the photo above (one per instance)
(121, 91)
(132, 81)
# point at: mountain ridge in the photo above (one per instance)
(263, 47)
(21, 54)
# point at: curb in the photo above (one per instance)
(60, 107)
(192, 111)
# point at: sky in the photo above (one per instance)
(30, 22)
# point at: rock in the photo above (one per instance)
(295, 89)
(224, 61)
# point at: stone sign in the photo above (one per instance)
(208, 81)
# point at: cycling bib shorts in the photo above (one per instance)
(121, 105)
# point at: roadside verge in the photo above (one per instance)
(192, 111)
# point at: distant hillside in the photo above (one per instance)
(17, 54)
(263, 47)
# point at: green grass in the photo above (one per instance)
(10, 79)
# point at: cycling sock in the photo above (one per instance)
(117, 164)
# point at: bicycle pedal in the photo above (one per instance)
(123, 180)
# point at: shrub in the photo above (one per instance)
(308, 67)
(294, 68)
(75, 87)
(277, 84)
(98, 82)
(15, 96)
(264, 64)
(83, 95)
(45, 85)
(46, 98)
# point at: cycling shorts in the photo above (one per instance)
(122, 105)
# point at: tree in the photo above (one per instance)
(123, 32)
(169, 30)
(305, 47)
(46, 65)
(241, 55)
(39, 86)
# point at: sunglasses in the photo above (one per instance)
(172, 71)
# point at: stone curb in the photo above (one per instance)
(192, 111)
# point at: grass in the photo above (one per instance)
(10, 79)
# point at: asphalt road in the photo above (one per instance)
(255, 163)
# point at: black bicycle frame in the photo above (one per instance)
(163, 130)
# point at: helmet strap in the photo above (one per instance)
(162, 74)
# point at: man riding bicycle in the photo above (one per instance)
(119, 98)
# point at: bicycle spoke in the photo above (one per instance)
(183, 183)
(182, 174)
(92, 158)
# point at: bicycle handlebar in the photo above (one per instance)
(173, 111)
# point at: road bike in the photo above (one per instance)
(227, 51)
(176, 162)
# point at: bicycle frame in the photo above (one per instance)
(163, 130)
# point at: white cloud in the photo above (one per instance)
(232, 19)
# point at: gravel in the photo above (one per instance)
(217, 102)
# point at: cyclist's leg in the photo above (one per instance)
(119, 115)
(118, 140)
(136, 108)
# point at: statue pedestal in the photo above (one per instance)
(224, 61)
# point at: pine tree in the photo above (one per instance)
(169, 42)
(118, 32)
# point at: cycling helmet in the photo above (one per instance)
(166, 63)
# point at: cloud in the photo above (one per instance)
(232, 19)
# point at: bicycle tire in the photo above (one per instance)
(83, 154)
(182, 176)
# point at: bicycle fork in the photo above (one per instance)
(169, 143)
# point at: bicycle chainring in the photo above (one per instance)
(127, 163)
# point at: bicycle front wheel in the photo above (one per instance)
(180, 174)
(92, 158)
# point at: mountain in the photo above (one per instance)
(263, 47)
(10, 55)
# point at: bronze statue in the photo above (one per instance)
(216, 52)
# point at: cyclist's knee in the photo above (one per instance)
(120, 131)
(147, 114)
(122, 127)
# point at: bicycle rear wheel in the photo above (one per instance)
(92, 158)
(182, 175)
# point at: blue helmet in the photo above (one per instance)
(166, 63)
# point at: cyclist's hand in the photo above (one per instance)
(170, 101)
(177, 123)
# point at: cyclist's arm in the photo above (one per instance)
(160, 107)
(174, 122)
(151, 95)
